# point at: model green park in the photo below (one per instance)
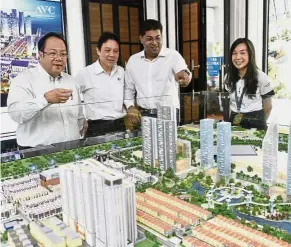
(192, 186)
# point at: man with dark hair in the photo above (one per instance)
(102, 84)
(44, 100)
(42, 41)
(153, 75)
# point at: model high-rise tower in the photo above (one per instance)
(270, 154)
(159, 138)
(168, 113)
(149, 140)
(224, 148)
(98, 204)
(166, 140)
(206, 142)
(288, 179)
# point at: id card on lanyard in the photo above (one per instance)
(238, 117)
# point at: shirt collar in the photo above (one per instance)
(98, 68)
(162, 53)
(46, 74)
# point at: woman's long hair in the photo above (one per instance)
(251, 76)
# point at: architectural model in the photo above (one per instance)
(134, 193)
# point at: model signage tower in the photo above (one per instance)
(97, 204)
(206, 142)
(224, 148)
(270, 154)
(288, 179)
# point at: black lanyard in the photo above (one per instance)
(240, 99)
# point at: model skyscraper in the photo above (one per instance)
(224, 148)
(149, 140)
(159, 138)
(166, 138)
(206, 142)
(97, 204)
(270, 154)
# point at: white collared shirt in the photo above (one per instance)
(41, 123)
(103, 93)
(255, 103)
(153, 81)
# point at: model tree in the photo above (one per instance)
(250, 169)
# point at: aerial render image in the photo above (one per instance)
(209, 184)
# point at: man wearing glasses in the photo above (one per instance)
(44, 100)
(154, 75)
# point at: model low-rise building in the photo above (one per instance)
(44, 211)
(169, 208)
(154, 223)
(188, 207)
(190, 241)
(21, 237)
(50, 177)
(248, 232)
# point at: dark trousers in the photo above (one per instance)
(255, 119)
(102, 127)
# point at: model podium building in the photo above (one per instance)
(98, 204)
(159, 138)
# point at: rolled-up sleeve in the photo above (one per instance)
(22, 104)
(179, 64)
(129, 88)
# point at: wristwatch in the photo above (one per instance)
(186, 71)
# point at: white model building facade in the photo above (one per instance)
(166, 140)
(168, 113)
(270, 154)
(98, 204)
(288, 179)
(224, 148)
(149, 140)
(206, 142)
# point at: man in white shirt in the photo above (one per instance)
(44, 100)
(153, 74)
(102, 84)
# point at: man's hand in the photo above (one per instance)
(58, 95)
(182, 78)
(134, 115)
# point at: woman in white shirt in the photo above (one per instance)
(101, 84)
(250, 89)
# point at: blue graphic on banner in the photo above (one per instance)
(212, 65)
(23, 23)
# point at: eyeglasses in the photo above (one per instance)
(55, 54)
